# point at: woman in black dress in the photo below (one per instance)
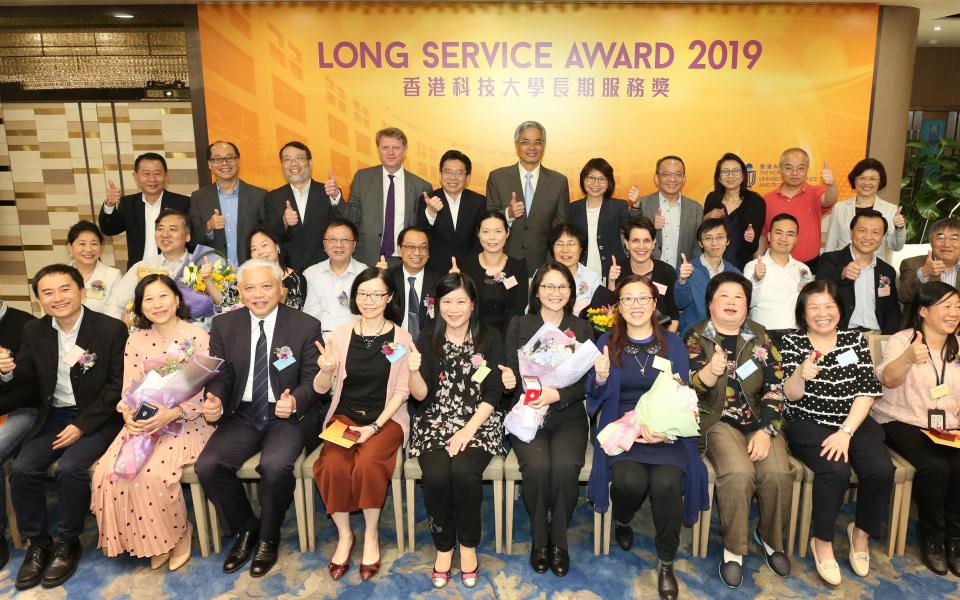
(264, 244)
(742, 209)
(458, 427)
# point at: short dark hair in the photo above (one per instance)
(601, 165)
(640, 222)
(457, 155)
(865, 165)
(273, 238)
(338, 222)
(943, 224)
(149, 156)
(452, 282)
(294, 144)
(546, 267)
(56, 269)
(389, 312)
(172, 212)
(571, 229)
(140, 320)
(710, 225)
(670, 157)
(83, 227)
(403, 233)
(870, 213)
(818, 286)
(494, 214)
(729, 277)
(784, 217)
(231, 144)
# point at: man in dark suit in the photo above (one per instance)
(298, 213)
(263, 403)
(675, 216)
(451, 214)
(415, 283)
(867, 285)
(533, 197)
(72, 360)
(223, 214)
(135, 214)
(383, 199)
(939, 264)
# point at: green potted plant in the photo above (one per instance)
(930, 188)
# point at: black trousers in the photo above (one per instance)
(453, 493)
(72, 476)
(632, 482)
(550, 465)
(868, 458)
(228, 448)
(936, 486)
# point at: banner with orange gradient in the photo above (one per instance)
(629, 83)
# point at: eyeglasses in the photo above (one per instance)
(568, 244)
(422, 248)
(219, 160)
(551, 288)
(709, 239)
(730, 172)
(595, 179)
(337, 241)
(452, 173)
(531, 143)
(792, 169)
(294, 160)
(375, 296)
(671, 175)
(640, 300)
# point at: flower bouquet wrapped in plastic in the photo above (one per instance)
(551, 358)
(194, 289)
(169, 380)
(668, 408)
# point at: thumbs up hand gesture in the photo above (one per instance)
(206, 269)
(718, 362)
(217, 221)
(749, 235)
(851, 271)
(659, 220)
(382, 263)
(601, 366)
(634, 196)
(212, 408)
(285, 405)
(433, 205)
(686, 268)
(917, 352)
(516, 208)
(290, 216)
(826, 174)
(453, 265)
(932, 267)
(898, 220)
(330, 185)
(6, 361)
(113, 194)
(507, 377)
(760, 269)
(613, 274)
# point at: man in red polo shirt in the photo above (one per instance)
(805, 201)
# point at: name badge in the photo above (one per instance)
(399, 352)
(662, 364)
(883, 292)
(71, 357)
(746, 369)
(936, 419)
(510, 282)
(95, 294)
(848, 358)
(283, 363)
(480, 374)
(661, 288)
(939, 391)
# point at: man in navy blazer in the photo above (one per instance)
(136, 214)
(70, 367)
(535, 204)
(451, 214)
(223, 214)
(298, 212)
(263, 402)
(413, 269)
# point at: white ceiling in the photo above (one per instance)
(932, 12)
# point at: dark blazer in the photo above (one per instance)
(97, 391)
(230, 340)
(909, 284)
(663, 274)
(366, 206)
(491, 391)
(519, 331)
(691, 215)
(752, 211)
(496, 304)
(11, 326)
(128, 217)
(399, 301)
(831, 267)
(250, 216)
(303, 242)
(447, 241)
(529, 233)
(613, 216)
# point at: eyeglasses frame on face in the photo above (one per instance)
(375, 296)
(595, 179)
(551, 288)
(300, 160)
(639, 300)
(219, 160)
(422, 248)
(731, 172)
(790, 169)
(672, 175)
(535, 143)
(339, 241)
(452, 173)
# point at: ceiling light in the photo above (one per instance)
(938, 28)
(933, 42)
(123, 16)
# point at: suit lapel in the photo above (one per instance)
(242, 362)
(409, 200)
(138, 216)
(279, 337)
(243, 197)
(375, 175)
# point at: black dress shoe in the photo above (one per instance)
(4, 552)
(624, 535)
(777, 562)
(264, 557)
(34, 564)
(933, 554)
(666, 581)
(559, 561)
(540, 559)
(953, 555)
(242, 550)
(731, 573)
(66, 555)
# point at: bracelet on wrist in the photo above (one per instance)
(376, 428)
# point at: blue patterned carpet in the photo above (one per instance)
(621, 575)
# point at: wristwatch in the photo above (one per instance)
(846, 429)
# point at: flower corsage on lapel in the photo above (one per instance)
(478, 362)
(394, 351)
(284, 356)
(96, 290)
(87, 360)
(884, 289)
(430, 304)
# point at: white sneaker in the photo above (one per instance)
(828, 570)
(859, 561)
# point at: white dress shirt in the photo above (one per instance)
(453, 205)
(523, 188)
(66, 340)
(123, 291)
(418, 286)
(670, 234)
(328, 294)
(399, 203)
(593, 250)
(864, 313)
(151, 212)
(774, 297)
(269, 322)
(300, 198)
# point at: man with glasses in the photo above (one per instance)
(694, 275)
(675, 216)
(805, 201)
(223, 214)
(415, 283)
(298, 212)
(451, 214)
(939, 264)
(533, 198)
(329, 281)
